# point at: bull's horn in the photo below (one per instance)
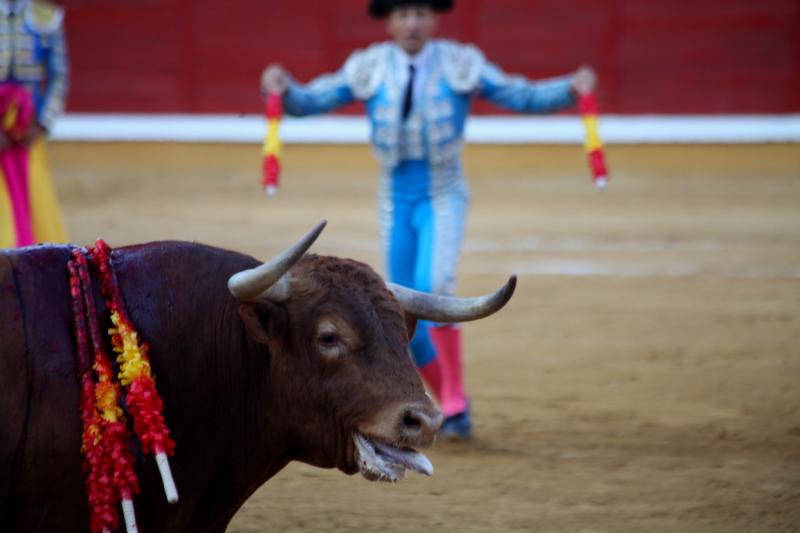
(437, 308)
(269, 280)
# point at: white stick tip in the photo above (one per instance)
(271, 190)
(129, 516)
(166, 477)
(601, 182)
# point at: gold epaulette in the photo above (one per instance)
(44, 16)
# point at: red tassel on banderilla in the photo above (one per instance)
(273, 111)
(589, 109)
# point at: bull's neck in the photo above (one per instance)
(214, 380)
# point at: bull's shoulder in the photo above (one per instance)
(39, 250)
(38, 260)
(184, 255)
(37, 364)
(179, 271)
(13, 370)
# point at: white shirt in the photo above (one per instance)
(422, 66)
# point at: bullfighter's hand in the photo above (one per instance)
(584, 80)
(274, 79)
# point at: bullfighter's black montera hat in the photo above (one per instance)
(381, 8)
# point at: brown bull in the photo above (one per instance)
(308, 361)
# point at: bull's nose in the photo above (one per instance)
(420, 424)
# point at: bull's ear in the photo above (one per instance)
(263, 320)
(411, 325)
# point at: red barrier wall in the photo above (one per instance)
(652, 56)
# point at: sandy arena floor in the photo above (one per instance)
(645, 377)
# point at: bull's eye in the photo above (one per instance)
(328, 339)
(330, 345)
(334, 338)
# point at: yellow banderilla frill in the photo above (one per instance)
(132, 355)
(106, 397)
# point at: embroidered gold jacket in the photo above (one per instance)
(33, 53)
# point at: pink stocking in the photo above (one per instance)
(432, 374)
(447, 340)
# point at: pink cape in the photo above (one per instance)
(16, 111)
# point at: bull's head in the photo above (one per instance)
(335, 324)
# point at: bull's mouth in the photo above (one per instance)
(379, 461)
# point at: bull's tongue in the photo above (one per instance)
(406, 457)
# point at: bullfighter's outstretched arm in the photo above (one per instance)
(357, 79)
(323, 94)
(468, 71)
(520, 94)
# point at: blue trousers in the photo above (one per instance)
(423, 234)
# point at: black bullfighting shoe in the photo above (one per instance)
(457, 427)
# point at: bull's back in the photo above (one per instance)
(175, 293)
(40, 461)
